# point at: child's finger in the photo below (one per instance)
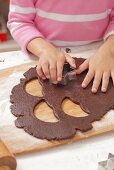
(53, 73)
(88, 78)
(70, 60)
(83, 67)
(112, 75)
(40, 72)
(59, 70)
(96, 82)
(105, 81)
(45, 68)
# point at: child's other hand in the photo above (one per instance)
(100, 68)
(50, 64)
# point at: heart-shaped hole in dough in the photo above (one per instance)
(43, 112)
(72, 109)
(34, 88)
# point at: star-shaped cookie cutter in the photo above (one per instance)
(68, 74)
(108, 164)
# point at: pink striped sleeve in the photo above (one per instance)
(21, 25)
(110, 28)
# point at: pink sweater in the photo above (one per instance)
(61, 22)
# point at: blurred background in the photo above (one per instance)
(6, 41)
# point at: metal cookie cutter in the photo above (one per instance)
(108, 164)
(68, 74)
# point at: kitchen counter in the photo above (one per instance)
(81, 155)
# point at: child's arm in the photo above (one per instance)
(22, 27)
(21, 22)
(101, 66)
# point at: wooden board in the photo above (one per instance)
(20, 142)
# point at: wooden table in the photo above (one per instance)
(100, 144)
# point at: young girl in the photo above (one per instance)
(40, 26)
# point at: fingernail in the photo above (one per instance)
(83, 85)
(74, 65)
(43, 78)
(94, 90)
(103, 89)
(48, 77)
(59, 79)
(55, 82)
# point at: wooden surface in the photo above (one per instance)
(20, 142)
(7, 160)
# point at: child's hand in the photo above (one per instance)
(51, 59)
(101, 68)
(50, 64)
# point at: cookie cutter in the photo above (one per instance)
(108, 164)
(68, 74)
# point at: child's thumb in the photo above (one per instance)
(83, 67)
(71, 61)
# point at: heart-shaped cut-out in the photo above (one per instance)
(72, 109)
(43, 112)
(34, 88)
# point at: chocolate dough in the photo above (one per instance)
(23, 104)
